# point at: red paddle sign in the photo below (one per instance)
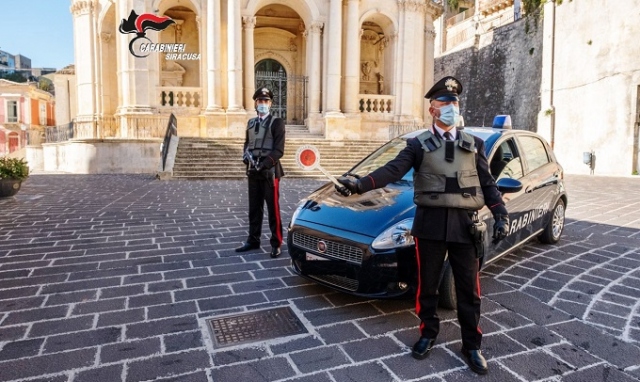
(307, 157)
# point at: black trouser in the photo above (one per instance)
(260, 191)
(430, 255)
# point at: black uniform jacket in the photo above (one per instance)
(449, 224)
(278, 132)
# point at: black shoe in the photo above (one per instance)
(422, 348)
(275, 252)
(476, 361)
(247, 247)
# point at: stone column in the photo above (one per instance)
(313, 35)
(249, 62)
(314, 46)
(212, 47)
(133, 72)
(429, 46)
(334, 57)
(234, 52)
(410, 58)
(85, 52)
(352, 69)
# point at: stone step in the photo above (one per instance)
(204, 158)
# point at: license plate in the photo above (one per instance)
(312, 257)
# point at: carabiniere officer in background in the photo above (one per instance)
(263, 148)
(451, 183)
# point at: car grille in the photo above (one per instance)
(334, 250)
(338, 281)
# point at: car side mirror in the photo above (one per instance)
(509, 185)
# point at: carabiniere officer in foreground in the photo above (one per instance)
(451, 183)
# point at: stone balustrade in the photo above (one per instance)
(376, 103)
(179, 97)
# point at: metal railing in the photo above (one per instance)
(59, 133)
(172, 129)
(106, 127)
(453, 20)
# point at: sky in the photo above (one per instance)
(41, 30)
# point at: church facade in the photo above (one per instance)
(344, 69)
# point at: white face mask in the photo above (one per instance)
(449, 114)
(263, 108)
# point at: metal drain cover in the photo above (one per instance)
(255, 326)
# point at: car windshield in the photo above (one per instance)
(381, 156)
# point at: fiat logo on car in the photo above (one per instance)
(322, 246)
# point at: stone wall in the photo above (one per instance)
(500, 75)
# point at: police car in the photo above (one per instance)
(362, 244)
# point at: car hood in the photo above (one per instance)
(368, 214)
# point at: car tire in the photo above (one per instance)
(554, 228)
(447, 290)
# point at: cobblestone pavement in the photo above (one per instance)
(113, 278)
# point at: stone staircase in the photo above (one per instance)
(205, 158)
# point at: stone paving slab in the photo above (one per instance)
(113, 278)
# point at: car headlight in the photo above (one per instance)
(396, 236)
(297, 211)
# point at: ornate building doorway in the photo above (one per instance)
(271, 74)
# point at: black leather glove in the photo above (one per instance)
(500, 227)
(245, 160)
(349, 186)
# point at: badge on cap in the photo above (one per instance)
(451, 84)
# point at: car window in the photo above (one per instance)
(381, 156)
(506, 161)
(535, 152)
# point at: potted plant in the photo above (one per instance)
(12, 172)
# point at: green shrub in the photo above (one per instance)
(13, 168)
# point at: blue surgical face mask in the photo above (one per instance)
(263, 108)
(449, 114)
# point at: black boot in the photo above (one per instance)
(476, 361)
(422, 348)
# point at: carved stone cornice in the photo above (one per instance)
(412, 6)
(248, 22)
(82, 7)
(435, 9)
(315, 27)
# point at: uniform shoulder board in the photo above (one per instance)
(466, 142)
(428, 141)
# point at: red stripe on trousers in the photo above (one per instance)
(276, 204)
(479, 296)
(419, 285)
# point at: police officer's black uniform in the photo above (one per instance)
(441, 229)
(263, 148)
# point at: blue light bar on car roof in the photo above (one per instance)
(502, 122)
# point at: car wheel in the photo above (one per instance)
(447, 290)
(553, 230)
